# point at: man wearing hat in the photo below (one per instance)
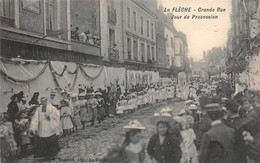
(217, 143)
(253, 114)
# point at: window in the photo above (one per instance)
(167, 40)
(111, 37)
(7, 11)
(128, 17)
(50, 15)
(142, 25)
(148, 52)
(148, 28)
(153, 57)
(136, 50)
(134, 13)
(142, 52)
(172, 42)
(129, 48)
(152, 30)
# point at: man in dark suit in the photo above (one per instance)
(217, 143)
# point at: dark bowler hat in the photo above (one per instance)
(213, 107)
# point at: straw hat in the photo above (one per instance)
(98, 94)
(65, 101)
(213, 107)
(74, 95)
(53, 92)
(166, 110)
(82, 94)
(165, 117)
(63, 91)
(193, 107)
(133, 95)
(134, 124)
(188, 102)
(182, 112)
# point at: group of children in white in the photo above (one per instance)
(138, 100)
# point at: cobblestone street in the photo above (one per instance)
(91, 144)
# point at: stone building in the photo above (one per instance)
(243, 45)
(41, 30)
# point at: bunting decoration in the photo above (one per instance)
(6, 76)
(91, 77)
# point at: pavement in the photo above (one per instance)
(91, 144)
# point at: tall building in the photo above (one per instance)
(129, 34)
(180, 50)
(170, 33)
(243, 44)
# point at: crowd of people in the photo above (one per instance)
(215, 126)
(28, 126)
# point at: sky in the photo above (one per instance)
(202, 34)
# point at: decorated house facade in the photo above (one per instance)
(42, 30)
(243, 45)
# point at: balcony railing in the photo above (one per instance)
(113, 54)
(112, 15)
(7, 21)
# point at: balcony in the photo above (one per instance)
(112, 16)
(7, 21)
(113, 54)
(84, 47)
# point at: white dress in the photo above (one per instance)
(121, 105)
(189, 151)
(66, 120)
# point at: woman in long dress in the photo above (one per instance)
(83, 112)
(101, 109)
(76, 108)
(66, 119)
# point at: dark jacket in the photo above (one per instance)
(167, 152)
(217, 145)
(12, 110)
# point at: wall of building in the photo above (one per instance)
(133, 34)
(32, 21)
(85, 15)
(170, 45)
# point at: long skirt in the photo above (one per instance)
(4, 150)
(84, 117)
(12, 146)
(112, 109)
(47, 147)
(94, 114)
(66, 123)
(76, 120)
(101, 113)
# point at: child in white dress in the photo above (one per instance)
(121, 106)
(189, 151)
(66, 119)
